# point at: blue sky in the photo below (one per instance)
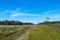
(30, 10)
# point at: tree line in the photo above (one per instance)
(12, 22)
(50, 22)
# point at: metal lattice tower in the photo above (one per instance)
(47, 18)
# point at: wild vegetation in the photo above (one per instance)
(43, 31)
(11, 33)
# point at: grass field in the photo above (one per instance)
(36, 32)
(8, 32)
(44, 33)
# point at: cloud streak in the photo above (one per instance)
(14, 15)
(17, 12)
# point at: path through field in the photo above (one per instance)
(24, 36)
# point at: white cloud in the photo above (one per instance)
(17, 12)
(53, 15)
(14, 15)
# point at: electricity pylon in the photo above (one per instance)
(47, 19)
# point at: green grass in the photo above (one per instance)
(44, 33)
(37, 32)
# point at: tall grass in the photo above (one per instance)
(11, 33)
(44, 33)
